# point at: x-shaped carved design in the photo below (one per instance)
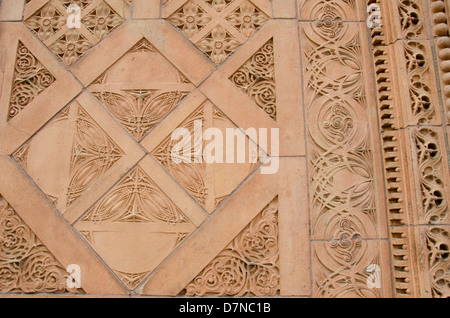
(218, 30)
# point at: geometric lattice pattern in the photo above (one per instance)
(345, 102)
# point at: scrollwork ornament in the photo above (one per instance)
(248, 266)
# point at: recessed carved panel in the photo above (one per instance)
(93, 154)
(431, 171)
(438, 242)
(26, 265)
(343, 186)
(78, 151)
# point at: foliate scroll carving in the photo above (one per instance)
(49, 23)
(93, 154)
(248, 266)
(390, 111)
(344, 277)
(438, 244)
(338, 129)
(141, 105)
(31, 78)
(257, 79)
(218, 35)
(192, 176)
(426, 143)
(342, 174)
(431, 171)
(26, 265)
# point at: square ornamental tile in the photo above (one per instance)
(217, 28)
(135, 226)
(141, 89)
(71, 28)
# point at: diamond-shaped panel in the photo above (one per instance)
(30, 79)
(141, 89)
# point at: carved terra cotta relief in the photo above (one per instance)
(422, 104)
(69, 156)
(248, 266)
(427, 171)
(438, 239)
(30, 79)
(256, 79)
(141, 89)
(49, 23)
(440, 21)
(86, 154)
(430, 163)
(134, 227)
(342, 187)
(395, 179)
(26, 265)
(218, 28)
(195, 177)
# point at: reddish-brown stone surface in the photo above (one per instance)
(91, 92)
